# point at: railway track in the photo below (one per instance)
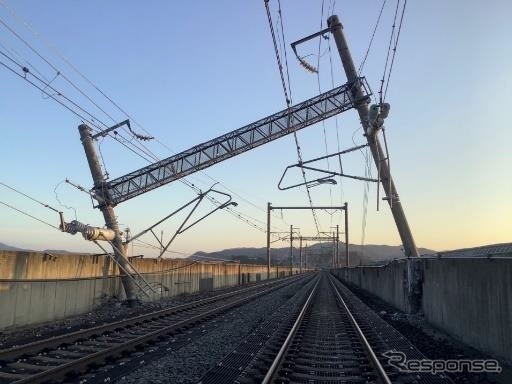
(68, 356)
(320, 341)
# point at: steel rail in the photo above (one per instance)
(36, 346)
(277, 361)
(370, 353)
(80, 364)
(381, 373)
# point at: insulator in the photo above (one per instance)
(306, 65)
(90, 233)
(384, 110)
(373, 113)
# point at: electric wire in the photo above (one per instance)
(29, 197)
(320, 91)
(149, 245)
(57, 52)
(118, 137)
(394, 49)
(58, 72)
(288, 100)
(388, 53)
(60, 202)
(29, 215)
(361, 66)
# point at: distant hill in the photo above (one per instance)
(318, 254)
(5, 247)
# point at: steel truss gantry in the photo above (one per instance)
(201, 156)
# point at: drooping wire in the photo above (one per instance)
(288, 100)
(60, 202)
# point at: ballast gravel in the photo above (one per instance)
(221, 335)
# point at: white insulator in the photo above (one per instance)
(384, 110)
(373, 113)
(90, 233)
(94, 233)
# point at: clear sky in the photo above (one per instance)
(190, 71)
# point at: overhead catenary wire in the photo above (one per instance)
(93, 122)
(29, 197)
(383, 87)
(83, 76)
(28, 214)
(395, 49)
(320, 91)
(363, 62)
(288, 100)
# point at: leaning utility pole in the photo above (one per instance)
(108, 212)
(373, 141)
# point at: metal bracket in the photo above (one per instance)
(330, 174)
(303, 62)
(183, 227)
(119, 125)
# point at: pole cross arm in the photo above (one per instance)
(201, 156)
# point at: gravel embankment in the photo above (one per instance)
(433, 343)
(218, 337)
(110, 310)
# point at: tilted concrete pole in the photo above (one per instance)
(373, 141)
(108, 212)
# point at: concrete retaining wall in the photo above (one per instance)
(469, 298)
(387, 283)
(37, 287)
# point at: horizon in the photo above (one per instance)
(448, 140)
(2, 244)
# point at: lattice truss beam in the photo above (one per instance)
(231, 144)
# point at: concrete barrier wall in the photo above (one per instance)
(469, 298)
(37, 287)
(387, 283)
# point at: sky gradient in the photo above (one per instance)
(190, 71)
